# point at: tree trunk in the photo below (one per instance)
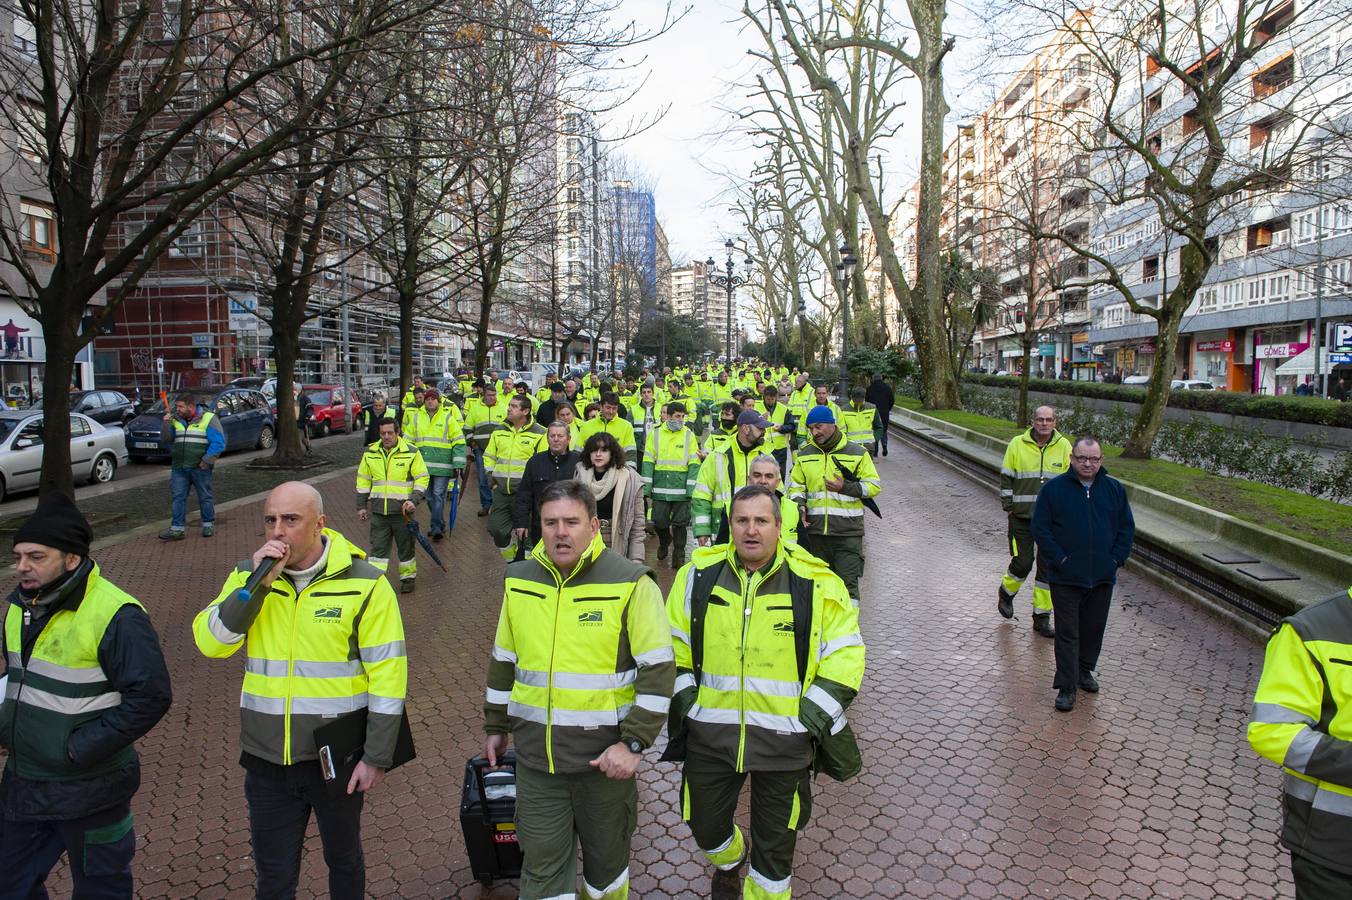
(286, 349)
(405, 344)
(482, 337)
(1151, 415)
(62, 345)
(1027, 373)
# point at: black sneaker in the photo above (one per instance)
(1006, 603)
(662, 550)
(437, 535)
(1088, 683)
(1065, 699)
(406, 585)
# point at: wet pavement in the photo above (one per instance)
(972, 785)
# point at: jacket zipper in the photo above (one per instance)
(549, 687)
(741, 692)
(291, 668)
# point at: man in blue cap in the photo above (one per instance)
(831, 479)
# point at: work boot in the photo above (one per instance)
(482, 512)
(1042, 624)
(727, 883)
(1006, 603)
(406, 585)
(1088, 683)
(1065, 699)
(437, 535)
(662, 546)
(172, 534)
(208, 529)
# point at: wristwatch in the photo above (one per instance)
(634, 744)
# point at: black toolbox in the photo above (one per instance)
(488, 817)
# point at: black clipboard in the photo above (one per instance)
(340, 744)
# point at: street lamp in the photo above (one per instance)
(846, 270)
(729, 282)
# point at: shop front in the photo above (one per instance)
(1271, 348)
(1212, 358)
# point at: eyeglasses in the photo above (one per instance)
(1087, 459)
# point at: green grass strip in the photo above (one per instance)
(1320, 522)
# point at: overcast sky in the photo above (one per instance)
(693, 70)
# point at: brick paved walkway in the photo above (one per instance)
(973, 785)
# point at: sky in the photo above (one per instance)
(692, 71)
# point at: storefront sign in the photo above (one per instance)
(1342, 336)
(1278, 351)
(1146, 347)
(1080, 338)
(1216, 346)
(1340, 359)
(1046, 350)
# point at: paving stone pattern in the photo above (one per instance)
(973, 786)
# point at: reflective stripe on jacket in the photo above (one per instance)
(508, 451)
(439, 438)
(1027, 467)
(481, 420)
(721, 474)
(1302, 720)
(833, 512)
(858, 424)
(579, 660)
(61, 685)
(192, 440)
(388, 478)
(336, 648)
(670, 464)
(749, 704)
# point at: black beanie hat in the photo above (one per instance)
(57, 523)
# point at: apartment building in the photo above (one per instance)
(583, 229)
(690, 291)
(1283, 248)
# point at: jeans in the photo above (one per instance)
(485, 483)
(437, 486)
(179, 480)
(280, 803)
(100, 848)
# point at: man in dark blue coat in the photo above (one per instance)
(1083, 527)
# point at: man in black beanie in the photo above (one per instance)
(86, 678)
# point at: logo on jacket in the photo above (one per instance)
(329, 612)
(592, 617)
(783, 628)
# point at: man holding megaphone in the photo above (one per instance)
(301, 607)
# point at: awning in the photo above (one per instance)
(1303, 362)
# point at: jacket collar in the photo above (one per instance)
(589, 556)
(65, 592)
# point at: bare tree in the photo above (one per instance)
(127, 115)
(1205, 112)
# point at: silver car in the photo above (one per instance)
(95, 450)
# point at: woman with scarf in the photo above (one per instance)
(618, 490)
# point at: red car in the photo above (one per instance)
(329, 412)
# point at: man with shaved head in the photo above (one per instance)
(324, 639)
(1032, 458)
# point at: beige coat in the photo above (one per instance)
(627, 534)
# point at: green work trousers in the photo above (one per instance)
(844, 554)
(500, 518)
(1022, 553)
(385, 529)
(556, 812)
(781, 804)
(671, 519)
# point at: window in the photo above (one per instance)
(1273, 23)
(1272, 233)
(185, 97)
(1275, 76)
(37, 229)
(1272, 128)
(25, 35)
(1154, 143)
(190, 243)
(78, 426)
(1150, 269)
(171, 19)
(1152, 65)
(1154, 103)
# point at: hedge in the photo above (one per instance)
(1313, 410)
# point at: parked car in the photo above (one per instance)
(246, 418)
(1136, 379)
(1179, 384)
(330, 413)
(104, 407)
(96, 450)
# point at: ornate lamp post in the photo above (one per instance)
(729, 282)
(846, 271)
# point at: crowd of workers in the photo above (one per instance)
(750, 660)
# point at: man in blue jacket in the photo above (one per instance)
(1083, 527)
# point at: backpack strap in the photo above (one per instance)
(701, 589)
